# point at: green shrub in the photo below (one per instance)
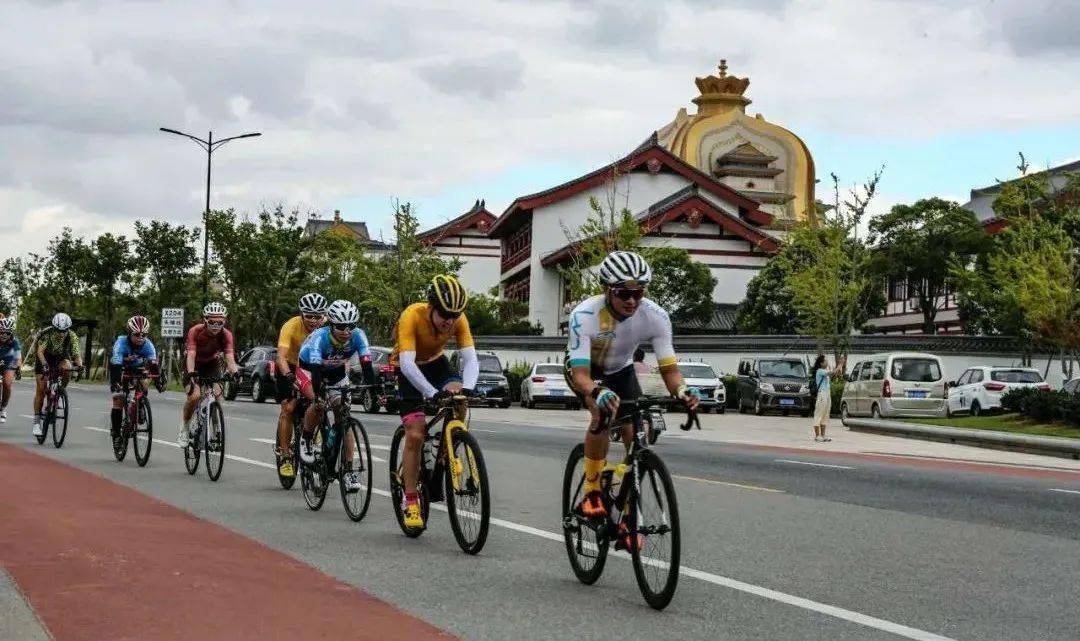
(1043, 405)
(836, 389)
(1070, 408)
(1015, 399)
(516, 373)
(731, 389)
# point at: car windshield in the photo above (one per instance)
(782, 369)
(916, 370)
(549, 369)
(490, 363)
(697, 371)
(1015, 376)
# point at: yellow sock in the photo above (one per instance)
(593, 467)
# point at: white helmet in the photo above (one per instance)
(312, 304)
(7, 325)
(214, 309)
(342, 312)
(61, 322)
(622, 267)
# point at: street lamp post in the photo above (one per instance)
(210, 146)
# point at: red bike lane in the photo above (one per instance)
(98, 560)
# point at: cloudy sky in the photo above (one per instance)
(440, 103)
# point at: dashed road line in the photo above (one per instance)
(837, 467)
(1057, 489)
(728, 484)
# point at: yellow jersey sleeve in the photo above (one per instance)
(290, 339)
(406, 331)
(463, 333)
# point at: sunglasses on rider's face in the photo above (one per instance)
(623, 293)
(343, 327)
(139, 335)
(215, 323)
(312, 317)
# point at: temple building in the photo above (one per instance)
(722, 185)
(466, 238)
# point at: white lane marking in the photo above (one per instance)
(728, 483)
(268, 441)
(708, 577)
(787, 460)
(1055, 489)
(27, 415)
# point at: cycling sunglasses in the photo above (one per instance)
(215, 323)
(343, 327)
(139, 334)
(623, 293)
(312, 317)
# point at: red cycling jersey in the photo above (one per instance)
(207, 346)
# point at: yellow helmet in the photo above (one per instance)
(447, 296)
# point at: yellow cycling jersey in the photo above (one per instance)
(292, 336)
(415, 332)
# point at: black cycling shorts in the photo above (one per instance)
(52, 361)
(410, 399)
(623, 382)
(285, 390)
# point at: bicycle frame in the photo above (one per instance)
(448, 414)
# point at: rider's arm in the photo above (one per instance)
(189, 349)
(582, 326)
(363, 352)
(39, 350)
(118, 351)
(407, 362)
(230, 356)
(470, 367)
(76, 355)
(284, 342)
(151, 351)
(16, 352)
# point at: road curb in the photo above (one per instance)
(1045, 445)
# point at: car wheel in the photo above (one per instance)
(787, 413)
(531, 405)
(258, 390)
(844, 412)
(720, 409)
(805, 413)
(757, 406)
(369, 402)
(875, 412)
(976, 409)
(230, 391)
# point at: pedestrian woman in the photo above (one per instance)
(823, 380)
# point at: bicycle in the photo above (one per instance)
(293, 451)
(55, 408)
(209, 436)
(333, 461)
(627, 489)
(138, 421)
(453, 454)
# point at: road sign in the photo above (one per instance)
(172, 322)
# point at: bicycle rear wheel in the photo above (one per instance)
(469, 506)
(586, 548)
(355, 501)
(215, 442)
(60, 418)
(397, 489)
(143, 435)
(654, 519)
(120, 441)
(313, 478)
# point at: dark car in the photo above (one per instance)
(384, 396)
(491, 386)
(255, 375)
(774, 383)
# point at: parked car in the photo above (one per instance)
(895, 384)
(491, 387)
(774, 383)
(702, 376)
(384, 396)
(255, 375)
(547, 384)
(979, 389)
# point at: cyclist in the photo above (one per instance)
(207, 342)
(424, 372)
(57, 348)
(132, 351)
(10, 361)
(290, 339)
(323, 359)
(605, 330)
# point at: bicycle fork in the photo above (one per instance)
(452, 459)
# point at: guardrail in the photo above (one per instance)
(984, 438)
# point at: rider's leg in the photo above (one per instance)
(415, 428)
(39, 393)
(193, 396)
(9, 377)
(596, 449)
(284, 424)
(116, 373)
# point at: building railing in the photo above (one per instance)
(516, 258)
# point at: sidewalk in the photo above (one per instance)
(17, 619)
(793, 432)
(98, 560)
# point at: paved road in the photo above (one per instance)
(778, 543)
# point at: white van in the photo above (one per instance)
(895, 384)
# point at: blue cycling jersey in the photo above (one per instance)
(320, 348)
(123, 348)
(10, 352)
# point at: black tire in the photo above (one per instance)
(470, 507)
(579, 537)
(258, 390)
(314, 481)
(142, 436)
(976, 410)
(505, 404)
(370, 402)
(530, 405)
(356, 503)
(397, 492)
(787, 412)
(656, 582)
(215, 442)
(720, 409)
(120, 442)
(231, 391)
(758, 409)
(875, 412)
(60, 419)
(192, 455)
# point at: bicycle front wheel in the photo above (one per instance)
(397, 488)
(60, 419)
(469, 506)
(143, 436)
(586, 548)
(313, 478)
(654, 520)
(215, 442)
(357, 462)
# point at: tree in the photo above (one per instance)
(918, 242)
(108, 264)
(491, 316)
(166, 261)
(768, 307)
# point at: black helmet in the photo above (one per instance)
(447, 296)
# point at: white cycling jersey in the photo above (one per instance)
(600, 341)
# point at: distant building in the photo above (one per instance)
(350, 229)
(466, 238)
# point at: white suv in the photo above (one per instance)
(979, 389)
(546, 383)
(702, 376)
